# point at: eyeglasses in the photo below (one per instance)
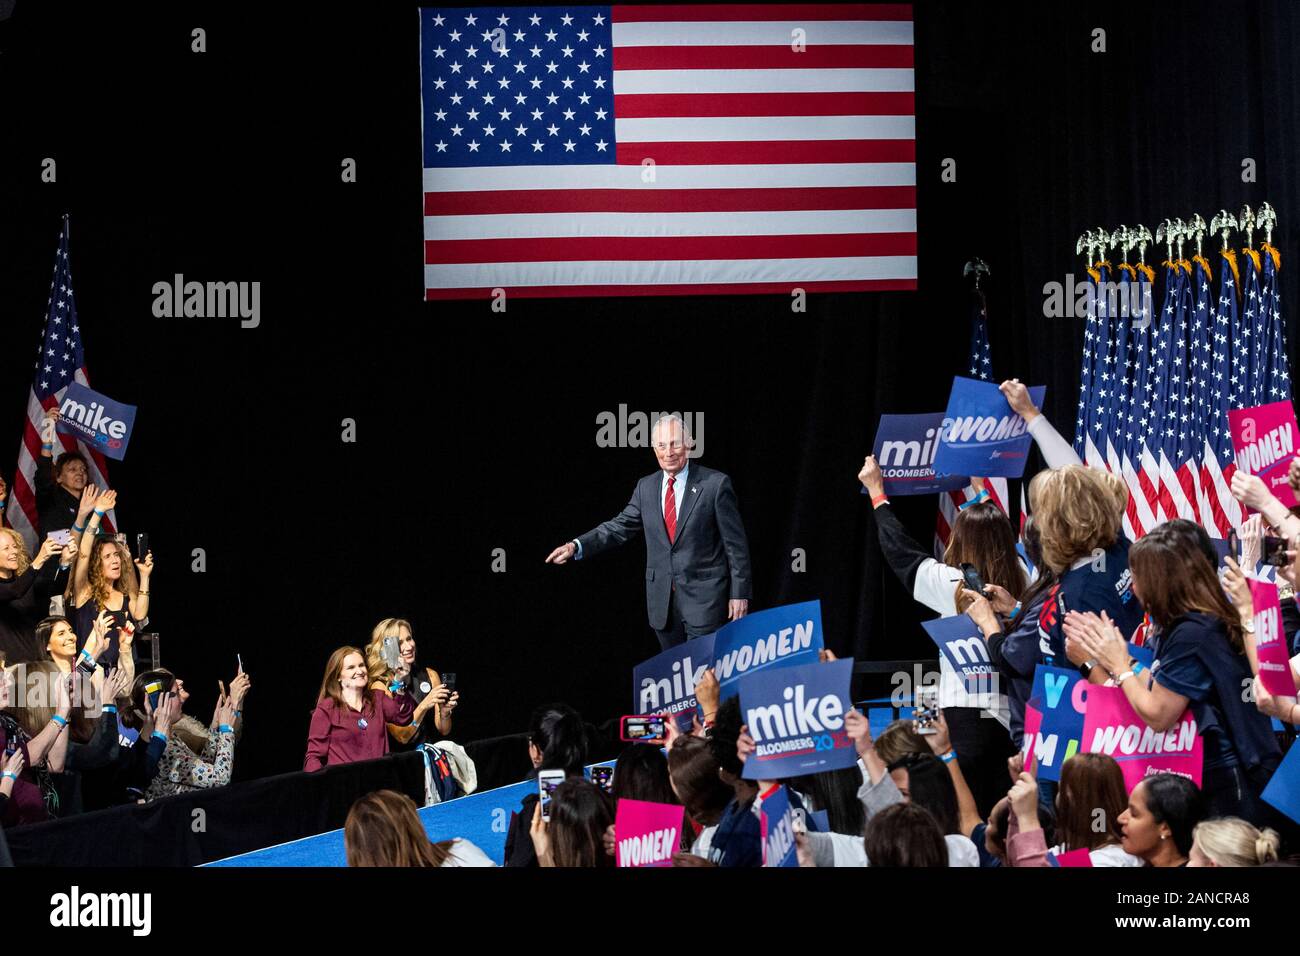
(665, 446)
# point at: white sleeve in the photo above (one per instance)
(1057, 452)
(837, 849)
(936, 587)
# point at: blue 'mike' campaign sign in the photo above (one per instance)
(796, 717)
(905, 448)
(1064, 696)
(777, 637)
(96, 419)
(981, 434)
(960, 641)
(665, 684)
(1283, 790)
(778, 830)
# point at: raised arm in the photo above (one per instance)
(86, 548)
(139, 598)
(1056, 451)
(928, 581)
(940, 743)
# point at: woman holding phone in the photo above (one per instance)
(105, 578)
(349, 721)
(185, 767)
(435, 698)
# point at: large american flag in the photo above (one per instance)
(59, 361)
(1154, 398)
(668, 150)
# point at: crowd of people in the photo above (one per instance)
(1070, 590)
(83, 725)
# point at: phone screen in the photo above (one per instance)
(547, 781)
(643, 728)
(1275, 551)
(603, 777)
(973, 580)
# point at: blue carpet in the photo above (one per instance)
(482, 818)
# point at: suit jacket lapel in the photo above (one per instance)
(692, 494)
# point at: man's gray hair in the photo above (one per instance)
(670, 417)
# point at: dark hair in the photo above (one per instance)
(581, 812)
(45, 627)
(1089, 783)
(641, 773)
(1172, 580)
(693, 772)
(132, 717)
(66, 457)
(1047, 578)
(836, 792)
(982, 535)
(905, 835)
(1176, 802)
(930, 785)
(1196, 538)
(998, 822)
(726, 731)
(559, 733)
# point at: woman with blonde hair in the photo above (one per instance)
(26, 586)
(1230, 841)
(427, 689)
(384, 829)
(106, 579)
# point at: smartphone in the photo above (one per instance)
(972, 578)
(154, 689)
(927, 710)
(641, 727)
(63, 538)
(449, 681)
(389, 652)
(1275, 551)
(798, 820)
(603, 777)
(547, 781)
(239, 664)
(141, 545)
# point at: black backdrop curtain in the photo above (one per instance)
(476, 430)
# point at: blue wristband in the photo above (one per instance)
(61, 721)
(1138, 668)
(78, 528)
(225, 729)
(98, 512)
(159, 735)
(10, 774)
(982, 496)
(949, 757)
(109, 708)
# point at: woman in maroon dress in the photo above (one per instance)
(350, 719)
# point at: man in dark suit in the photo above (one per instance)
(697, 558)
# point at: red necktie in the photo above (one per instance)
(670, 510)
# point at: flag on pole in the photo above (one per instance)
(60, 360)
(981, 367)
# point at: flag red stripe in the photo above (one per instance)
(641, 105)
(666, 248)
(684, 288)
(827, 56)
(769, 151)
(706, 12)
(504, 201)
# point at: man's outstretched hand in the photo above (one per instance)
(563, 553)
